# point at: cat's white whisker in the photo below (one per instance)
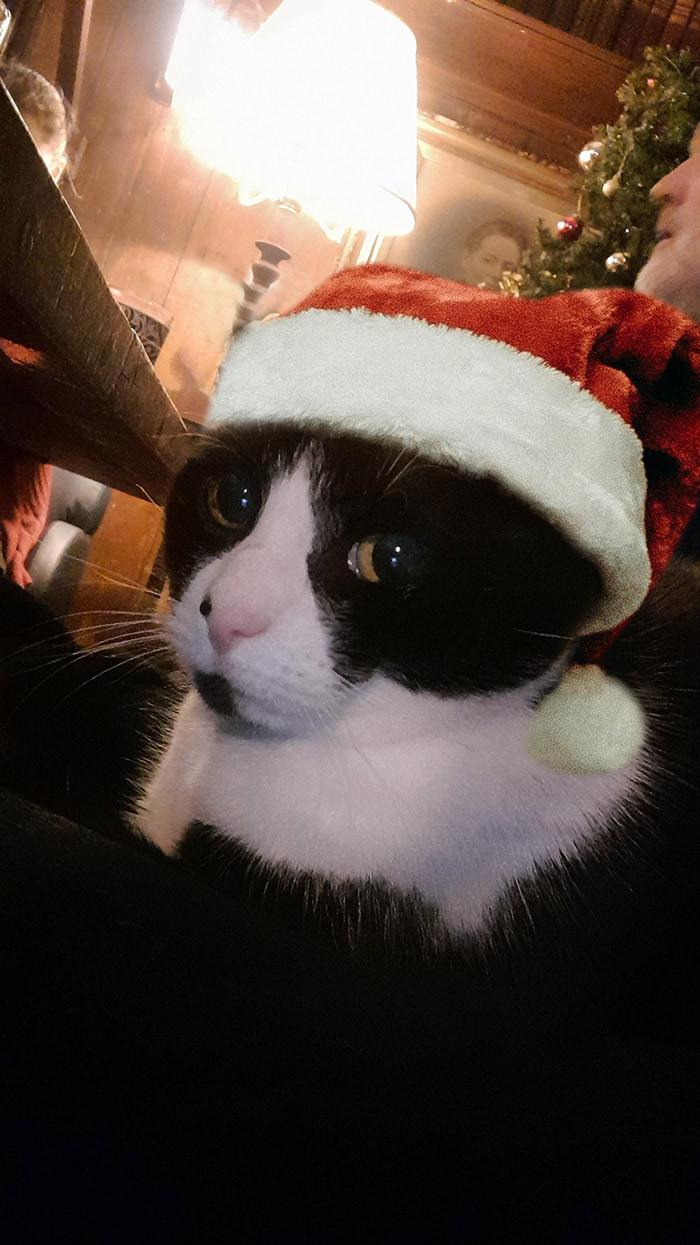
(65, 658)
(136, 661)
(108, 576)
(52, 641)
(547, 635)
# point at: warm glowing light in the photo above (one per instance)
(319, 106)
(203, 71)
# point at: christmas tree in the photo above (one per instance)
(611, 235)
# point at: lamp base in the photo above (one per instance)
(264, 273)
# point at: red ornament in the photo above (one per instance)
(570, 228)
(651, 83)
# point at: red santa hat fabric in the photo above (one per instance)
(557, 398)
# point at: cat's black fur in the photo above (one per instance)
(74, 722)
(500, 589)
(185, 1064)
(502, 594)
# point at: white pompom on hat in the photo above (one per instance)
(557, 398)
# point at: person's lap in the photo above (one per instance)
(180, 1065)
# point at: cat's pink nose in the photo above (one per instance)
(226, 630)
(248, 593)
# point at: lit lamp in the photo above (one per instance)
(320, 116)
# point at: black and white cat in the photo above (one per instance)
(368, 634)
(370, 626)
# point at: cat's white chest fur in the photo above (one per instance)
(372, 781)
(426, 794)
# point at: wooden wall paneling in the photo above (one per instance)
(632, 29)
(620, 19)
(154, 229)
(36, 37)
(163, 203)
(609, 23)
(659, 16)
(25, 14)
(559, 13)
(587, 18)
(487, 113)
(119, 124)
(75, 30)
(691, 33)
(527, 85)
(205, 290)
(678, 25)
(104, 25)
(622, 26)
(224, 232)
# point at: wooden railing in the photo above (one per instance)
(76, 387)
(622, 26)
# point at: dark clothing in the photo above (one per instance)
(179, 1066)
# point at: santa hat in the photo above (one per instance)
(559, 399)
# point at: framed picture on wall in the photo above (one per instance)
(477, 208)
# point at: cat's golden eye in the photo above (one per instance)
(390, 558)
(232, 502)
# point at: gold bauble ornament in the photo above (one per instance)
(612, 184)
(617, 262)
(589, 154)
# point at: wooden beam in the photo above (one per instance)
(85, 395)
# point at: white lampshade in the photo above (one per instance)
(204, 72)
(321, 110)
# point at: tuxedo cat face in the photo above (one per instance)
(368, 634)
(302, 566)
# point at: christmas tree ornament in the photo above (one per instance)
(589, 154)
(660, 109)
(555, 398)
(511, 283)
(617, 262)
(570, 228)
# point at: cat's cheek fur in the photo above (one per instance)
(281, 675)
(169, 801)
(430, 795)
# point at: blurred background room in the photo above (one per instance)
(439, 134)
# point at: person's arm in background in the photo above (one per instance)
(25, 489)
